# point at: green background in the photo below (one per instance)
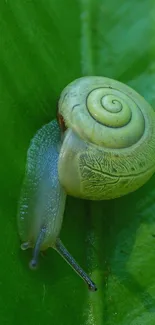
(43, 46)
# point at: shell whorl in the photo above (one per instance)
(108, 148)
(105, 112)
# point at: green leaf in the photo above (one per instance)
(44, 45)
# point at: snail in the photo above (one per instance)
(102, 147)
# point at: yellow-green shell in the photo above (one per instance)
(109, 146)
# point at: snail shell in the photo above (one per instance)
(109, 145)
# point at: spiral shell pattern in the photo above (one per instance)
(104, 111)
(109, 145)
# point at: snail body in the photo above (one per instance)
(41, 191)
(105, 150)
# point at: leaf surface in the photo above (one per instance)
(44, 46)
